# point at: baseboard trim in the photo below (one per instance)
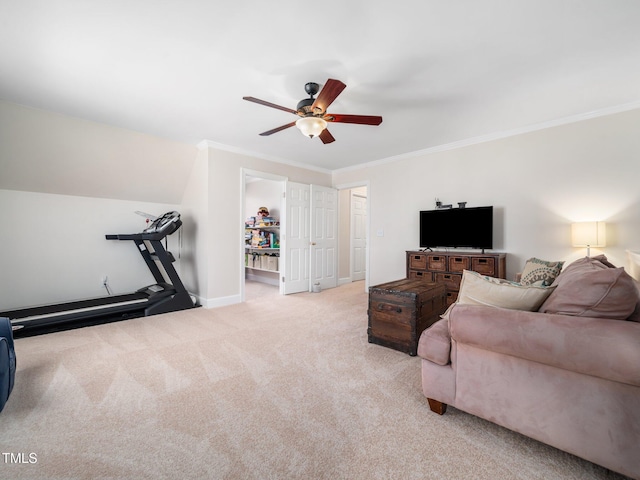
(219, 301)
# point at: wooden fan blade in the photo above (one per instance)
(359, 119)
(269, 104)
(327, 95)
(326, 136)
(276, 130)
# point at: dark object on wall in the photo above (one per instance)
(457, 227)
(7, 361)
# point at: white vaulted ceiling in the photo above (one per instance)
(438, 72)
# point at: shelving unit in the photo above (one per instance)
(263, 258)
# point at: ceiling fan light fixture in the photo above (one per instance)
(311, 126)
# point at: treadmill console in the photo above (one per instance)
(162, 223)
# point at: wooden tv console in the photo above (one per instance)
(446, 267)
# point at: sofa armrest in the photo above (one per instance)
(435, 343)
(609, 349)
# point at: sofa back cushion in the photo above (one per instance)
(476, 289)
(592, 287)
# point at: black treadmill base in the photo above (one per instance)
(34, 330)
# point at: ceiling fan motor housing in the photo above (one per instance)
(304, 106)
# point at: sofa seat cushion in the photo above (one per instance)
(598, 347)
(592, 287)
(435, 343)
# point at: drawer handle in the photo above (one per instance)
(390, 308)
(482, 260)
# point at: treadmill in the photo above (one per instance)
(168, 294)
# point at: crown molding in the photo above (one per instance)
(496, 136)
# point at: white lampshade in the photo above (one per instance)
(589, 234)
(311, 126)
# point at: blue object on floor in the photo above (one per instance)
(7, 361)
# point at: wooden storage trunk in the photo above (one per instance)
(399, 311)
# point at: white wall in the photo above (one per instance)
(263, 193)
(194, 212)
(48, 152)
(53, 247)
(538, 182)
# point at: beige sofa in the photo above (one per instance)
(567, 374)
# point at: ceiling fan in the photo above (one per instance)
(313, 112)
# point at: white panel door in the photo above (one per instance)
(358, 237)
(297, 238)
(324, 236)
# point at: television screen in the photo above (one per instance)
(457, 227)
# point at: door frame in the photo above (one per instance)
(349, 186)
(244, 173)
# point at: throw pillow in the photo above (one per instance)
(590, 288)
(540, 273)
(476, 289)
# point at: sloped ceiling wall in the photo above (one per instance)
(46, 152)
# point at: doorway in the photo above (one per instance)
(358, 234)
(354, 234)
(303, 225)
(262, 212)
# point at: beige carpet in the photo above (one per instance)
(276, 388)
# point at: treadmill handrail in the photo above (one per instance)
(145, 236)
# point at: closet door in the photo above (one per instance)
(324, 236)
(297, 238)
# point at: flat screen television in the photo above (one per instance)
(457, 227)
